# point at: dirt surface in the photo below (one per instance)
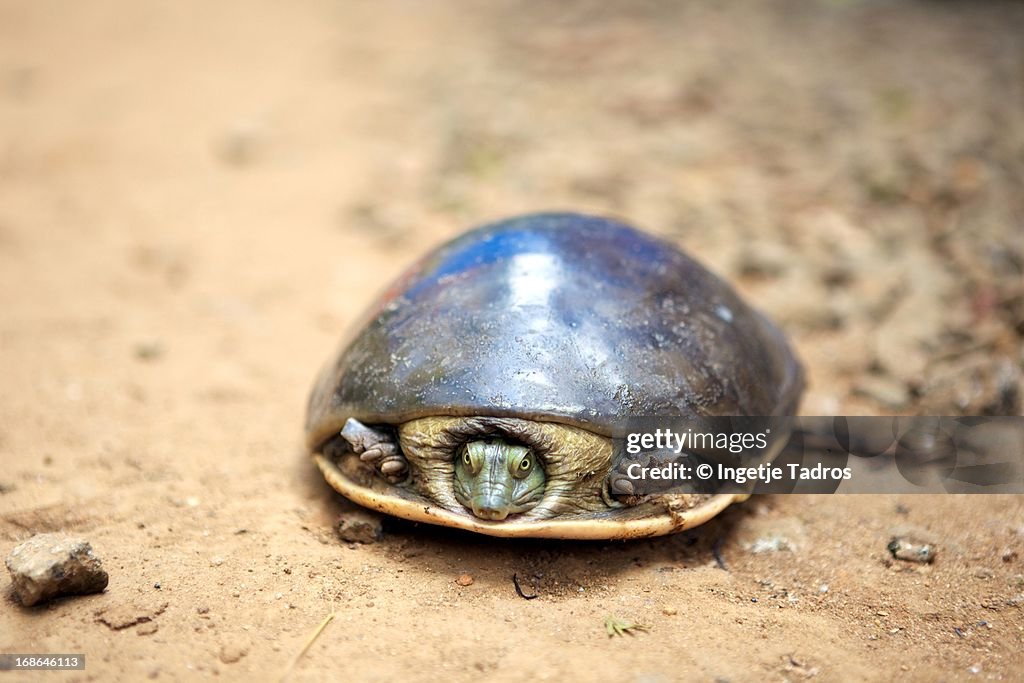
(198, 199)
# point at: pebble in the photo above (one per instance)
(465, 580)
(909, 550)
(232, 652)
(772, 534)
(48, 565)
(359, 526)
(670, 611)
(770, 544)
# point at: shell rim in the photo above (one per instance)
(587, 529)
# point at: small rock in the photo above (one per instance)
(909, 550)
(48, 565)
(770, 534)
(232, 652)
(464, 580)
(670, 611)
(770, 544)
(359, 526)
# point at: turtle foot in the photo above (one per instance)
(377, 448)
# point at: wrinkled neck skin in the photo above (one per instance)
(568, 466)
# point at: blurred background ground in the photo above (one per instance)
(197, 199)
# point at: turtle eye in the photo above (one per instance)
(465, 457)
(520, 467)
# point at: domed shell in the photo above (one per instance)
(561, 318)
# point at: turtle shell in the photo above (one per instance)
(561, 318)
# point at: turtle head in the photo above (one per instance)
(494, 478)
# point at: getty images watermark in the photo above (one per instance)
(818, 455)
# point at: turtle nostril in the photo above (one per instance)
(494, 513)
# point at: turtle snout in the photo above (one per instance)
(492, 507)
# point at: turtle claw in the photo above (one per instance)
(392, 467)
(381, 451)
(376, 448)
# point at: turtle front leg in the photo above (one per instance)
(377, 448)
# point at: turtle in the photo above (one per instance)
(484, 387)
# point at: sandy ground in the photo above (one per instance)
(198, 199)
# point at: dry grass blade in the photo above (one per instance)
(618, 627)
(308, 644)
